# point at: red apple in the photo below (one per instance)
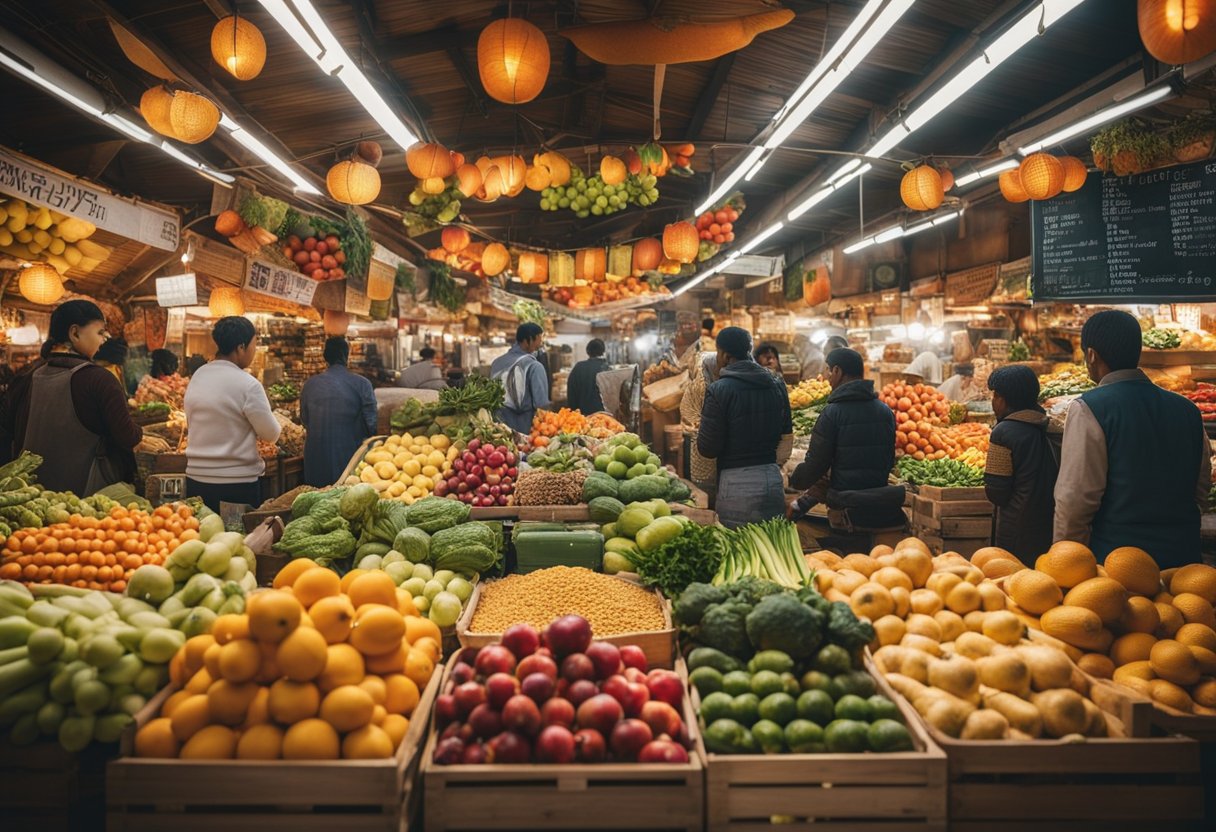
(468, 696)
(499, 688)
(557, 712)
(629, 737)
(606, 658)
(495, 659)
(601, 712)
(662, 718)
(666, 686)
(633, 656)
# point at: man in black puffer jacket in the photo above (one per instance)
(746, 426)
(855, 440)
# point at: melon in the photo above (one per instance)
(150, 583)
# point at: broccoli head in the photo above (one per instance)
(811, 597)
(750, 589)
(723, 626)
(846, 629)
(690, 607)
(782, 622)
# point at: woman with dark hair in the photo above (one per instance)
(162, 383)
(112, 356)
(164, 363)
(89, 445)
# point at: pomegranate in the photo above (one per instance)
(521, 639)
(634, 675)
(577, 666)
(557, 712)
(445, 709)
(662, 751)
(538, 687)
(636, 697)
(474, 755)
(462, 673)
(495, 659)
(555, 745)
(633, 656)
(568, 634)
(617, 687)
(509, 747)
(605, 657)
(468, 696)
(629, 737)
(499, 688)
(485, 721)
(601, 712)
(590, 746)
(449, 751)
(536, 663)
(665, 685)
(521, 714)
(662, 718)
(580, 691)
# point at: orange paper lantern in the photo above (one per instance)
(512, 60)
(494, 259)
(561, 269)
(427, 160)
(533, 267)
(380, 284)
(1041, 175)
(455, 239)
(921, 188)
(353, 182)
(590, 264)
(238, 46)
(193, 117)
(1177, 31)
(41, 284)
(468, 179)
(647, 254)
(154, 106)
(492, 186)
(514, 172)
(226, 301)
(335, 323)
(1075, 173)
(1011, 186)
(681, 242)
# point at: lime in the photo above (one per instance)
(745, 709)
(601, 462)
(617, 470)
(846, 736)
(814, 680)
(737, 682)
(857, 682)
(816, 706)
(791, 684)
(889, 735)
(851, 706)
(833, 660)
(725, 736)
(883, 708)
(773, 660)
(640, 454)
(778, 707)
(706, 680)
(804, 737)
(769, 736)
(716, 706)
(765, 682)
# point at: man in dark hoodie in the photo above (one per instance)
(1020, 476)
(746, 426)
(854, 439)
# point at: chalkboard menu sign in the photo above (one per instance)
(1147, 237)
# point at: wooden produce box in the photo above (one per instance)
(45, 788)
(606, 796)
(952, 519)
(895, 792)
(296, 795)
(658, 645)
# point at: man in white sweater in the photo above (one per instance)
(226, 413)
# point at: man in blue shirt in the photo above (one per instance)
(523, 378)
(338, 409)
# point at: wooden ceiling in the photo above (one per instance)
(422, 55)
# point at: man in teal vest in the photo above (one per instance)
(1135, 466)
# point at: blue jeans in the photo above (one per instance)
(749, 495)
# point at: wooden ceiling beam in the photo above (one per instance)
(456, 56)
(709, 96)
(422, 43)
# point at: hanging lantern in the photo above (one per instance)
(238, 46)
(494, 259)
(193, 117)
(921, 188)
(1177, 31)
(335, 323)
(433, 185)
(154, 106)
(353, 182)
(647, 254)
(1011, 186)
(455, 239)
(947, 176)
(538, 178)
(468, 179)
(561, 269)
(533, 267)
(41, 284)
(620, 262)
(681, 242)
(428, 160)
(612, 170)
(226, 301)
(590, 264)
(1041, 175)
(380, 282)
(512, 60)
(514, 172)
(1075, 173)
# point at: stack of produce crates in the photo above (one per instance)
(952, 519)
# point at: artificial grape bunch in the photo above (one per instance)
(591, 196)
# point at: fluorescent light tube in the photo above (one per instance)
(837, 181)
(892, 233)
(984, 173)
(730, 180)
(1132, 104)
(859, 245)
(761, 237)
(255, 146)
(698, 279)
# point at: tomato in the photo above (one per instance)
(726, 227)
(719, 238)
(730, 236)
(721, 217)
(310, 244)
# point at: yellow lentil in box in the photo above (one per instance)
(611, 605)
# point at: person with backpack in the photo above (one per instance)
(1023, 461)
(523, 379)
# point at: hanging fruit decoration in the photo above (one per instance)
(468, 179)
(590, 264)
(429, 160)
(512, 60)
(1041, 176)
(353, 182)
(238, 46)
(620, 262)
(612, 170)
(1075, 173)
(921, 188)
(670, 40)
(494, 259)
(681, 158)
(1177, 31)
(154, 106)
(561, 269)
(947, 176)
(680, 242)
(1011, 186)
(533, 267)
(455, 239)
(647, 254)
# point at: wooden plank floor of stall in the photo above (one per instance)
(45, 788)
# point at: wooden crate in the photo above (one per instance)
(658, 645)
(203, 795)
(938, 509)
(950, 528)
(933, 492)
(896, 792)
(46, 788)
(965, 546)
(607, 796)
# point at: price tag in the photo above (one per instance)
(279, 283)
(177, 290)
(357, 303)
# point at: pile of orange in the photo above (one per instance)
(96, 553)
(928, 440)
(547, 424)
(317, 668)
(916, 403)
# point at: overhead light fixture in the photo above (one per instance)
(1136, 102)
(320, 44)
(257, 148)
(895, 232)
(764, 157)
(834, 183)
(40, 71)
(890, 234)
(983, 173)
(731, 179)
(698, 279)
(859, 245)
(761, 237)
